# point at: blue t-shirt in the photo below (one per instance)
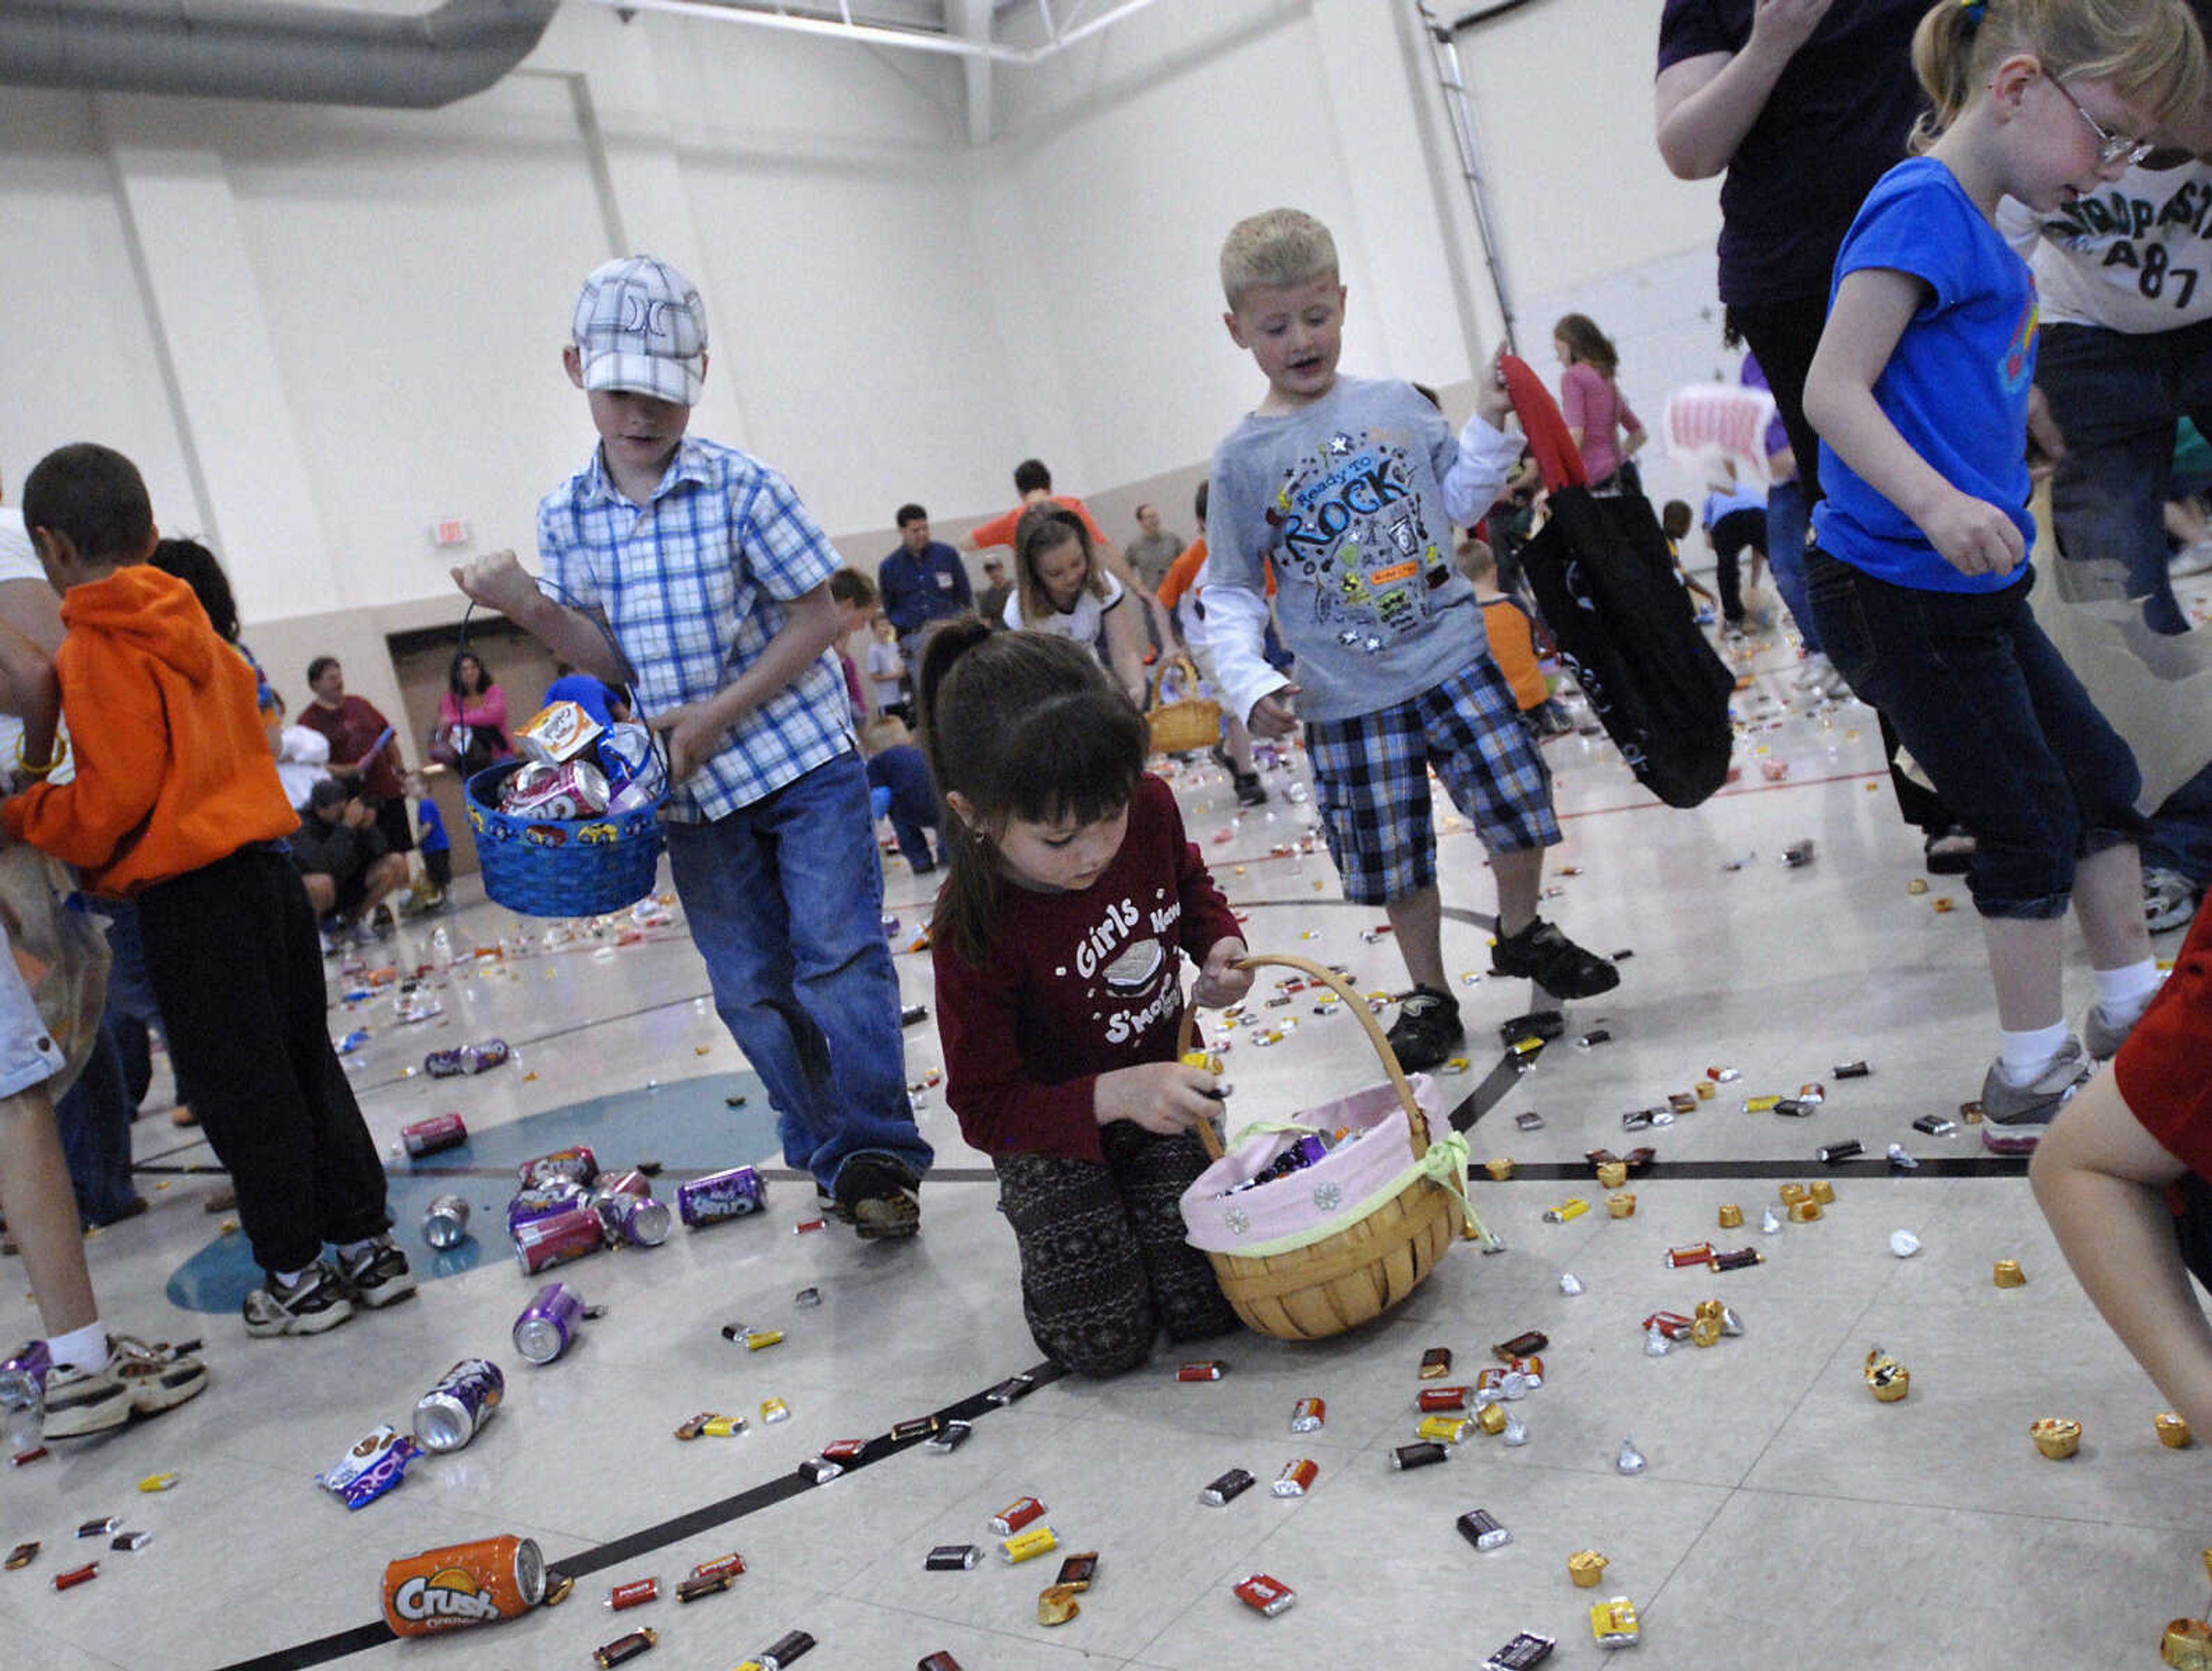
(1721, 501)
(433, 838)
(1957, 386)
(904, 771)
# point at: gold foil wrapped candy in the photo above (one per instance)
(1731, 1216)
(1621, 1204)
(1886, 1378)
(2172, 1430)
(1587, 1567)
(2008, 1274)
(2056, 1437)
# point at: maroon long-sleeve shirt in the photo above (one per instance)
(1075, 985)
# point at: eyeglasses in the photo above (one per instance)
(2111, 147)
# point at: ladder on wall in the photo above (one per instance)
(1444, 45)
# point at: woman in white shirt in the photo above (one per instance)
(1060, 587)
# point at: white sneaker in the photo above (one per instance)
(2189, 560)
(2169, 900)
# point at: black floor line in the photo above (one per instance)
(360, 1638)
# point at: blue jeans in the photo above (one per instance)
(2180, 836)
(1997, 720)
(94, 1118)
(785, 900)
(1787, 516)
(2115, 399)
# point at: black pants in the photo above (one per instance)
(1104, 1267)
(238, 968)
(438, 865)
(1729, 536)
(1784, 334)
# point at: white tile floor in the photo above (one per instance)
(1784, 1514)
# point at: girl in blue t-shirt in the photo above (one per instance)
(1919, 577)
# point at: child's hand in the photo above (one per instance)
(1274, 715)
(498, 581)
(1221, 982)
(1974, 537)
(1165, 1097)
(1494, 402)
(694, 732)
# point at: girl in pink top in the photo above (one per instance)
(1593, 406)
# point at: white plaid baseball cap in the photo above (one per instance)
(641, 327)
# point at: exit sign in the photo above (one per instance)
(450, 531)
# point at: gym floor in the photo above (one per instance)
(1784, 1512)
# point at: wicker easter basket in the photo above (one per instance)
(1362, 1267)
(1190, 723)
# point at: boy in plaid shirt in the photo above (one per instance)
(714, 582)
(1349, 488)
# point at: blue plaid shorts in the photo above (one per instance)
(1371, 781)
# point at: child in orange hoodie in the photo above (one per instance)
(176, 805)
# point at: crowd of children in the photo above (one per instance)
(1072, 896)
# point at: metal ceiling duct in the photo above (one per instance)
(259, 49)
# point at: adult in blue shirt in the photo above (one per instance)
(921, 581)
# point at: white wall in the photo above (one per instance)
(317, 328)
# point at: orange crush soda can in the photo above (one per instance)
(467, 1584)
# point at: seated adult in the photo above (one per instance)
(343, 860)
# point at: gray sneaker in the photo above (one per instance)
(315, 1303)
(2102, 1035)
(2169, 900)
(2014, 1116)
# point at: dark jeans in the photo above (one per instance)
(1996, 719)
(2180, 836)
(2115, 399)
(238, 966)
(94, 1117)
(912, 835)
(130, 1003)
(1784, 334)
(1104, 1264)
(1787, 516)
(438, 865)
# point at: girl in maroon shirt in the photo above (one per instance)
(1059, 939)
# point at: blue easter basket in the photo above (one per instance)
(555, 867)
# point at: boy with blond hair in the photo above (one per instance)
(1350, 487)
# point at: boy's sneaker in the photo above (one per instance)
(1554, 962)
(2015, 1117)
(316, 1303)
(136, 1380)
(1427, 1027)
(2102, 1036)
(877, 1197)
(2169, 900)
(377, 1275)
(1250, 791)
(1948, 852)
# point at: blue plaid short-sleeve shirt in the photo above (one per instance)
(694, 586)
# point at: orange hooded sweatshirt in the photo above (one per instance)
(173, 767)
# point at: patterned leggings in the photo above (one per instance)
(1105, 1266)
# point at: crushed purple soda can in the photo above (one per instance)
(454, 1412)
(638, 1220)
(547, 1323)
(567, 1234)
(543, 1202)
(443, 1065)
(483, 1056)
(720, 1195)
(576, 1163)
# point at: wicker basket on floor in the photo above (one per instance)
(1362, 1269)
(1188, 724)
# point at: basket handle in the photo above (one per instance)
(659, 747)
(1179, 662)
(1417, 1125)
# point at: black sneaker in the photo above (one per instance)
(877, 1197)
(377, 1275)
(1427, 1027)
(1554, 962)
(1250, 791)
(315, 1303)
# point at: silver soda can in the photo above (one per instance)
(446, 1223)
(542, 1333)
(639, 1220)
(720, 1195)
(453, 1411)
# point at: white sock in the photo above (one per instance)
(289, 1278)
(2124, 993)
(80, 1349)
(2021, 1056)
(354, 1250)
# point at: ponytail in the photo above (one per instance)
(1020, 725)
(1944, 58)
